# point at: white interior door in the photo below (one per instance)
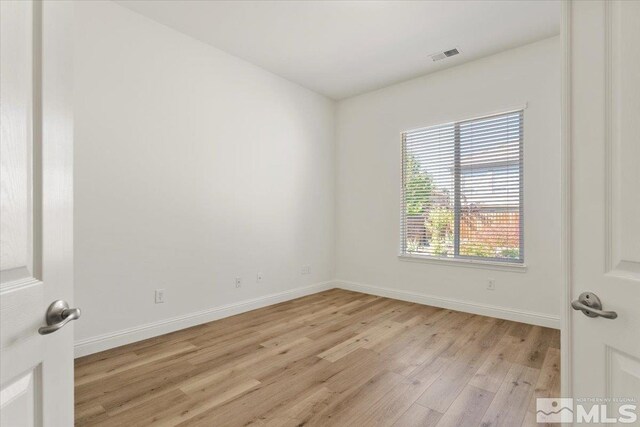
(36, 371)
(605, 217)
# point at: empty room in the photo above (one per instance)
(320, 213)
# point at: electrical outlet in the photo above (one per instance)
(306, 269)
(238, 282)
(259, 277)
(159, 296)
(491, 284)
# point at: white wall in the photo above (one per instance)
(368, 183)
(192, 167)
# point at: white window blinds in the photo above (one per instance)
(462, 190)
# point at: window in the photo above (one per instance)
(462, 190)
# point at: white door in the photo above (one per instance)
(36, 371)
(605, 214)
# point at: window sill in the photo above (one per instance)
(469, 263)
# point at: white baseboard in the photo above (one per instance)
(523, 316)
(127, 336)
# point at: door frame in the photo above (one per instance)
(565, 210)
(566, 123)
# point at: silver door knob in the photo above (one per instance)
(58, 315)
(590, 305)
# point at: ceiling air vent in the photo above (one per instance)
(442, 55)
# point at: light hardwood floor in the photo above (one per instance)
(333, 358)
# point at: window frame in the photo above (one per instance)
(457, 259)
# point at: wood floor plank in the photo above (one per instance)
(474, 349)
(144, 415)
(510, 403)
(344, 408)
(90, 414)
(468, 408)
(205, 398)
(492, 372)
(163, 381)
(366, 339)
(100, 374)
(418, 415)
(535, 347)
(333, 358)
(354, 369)
(300, 412)
(389, 408)
(415, 350)
(548, 384)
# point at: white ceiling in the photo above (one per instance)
(343, 48)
